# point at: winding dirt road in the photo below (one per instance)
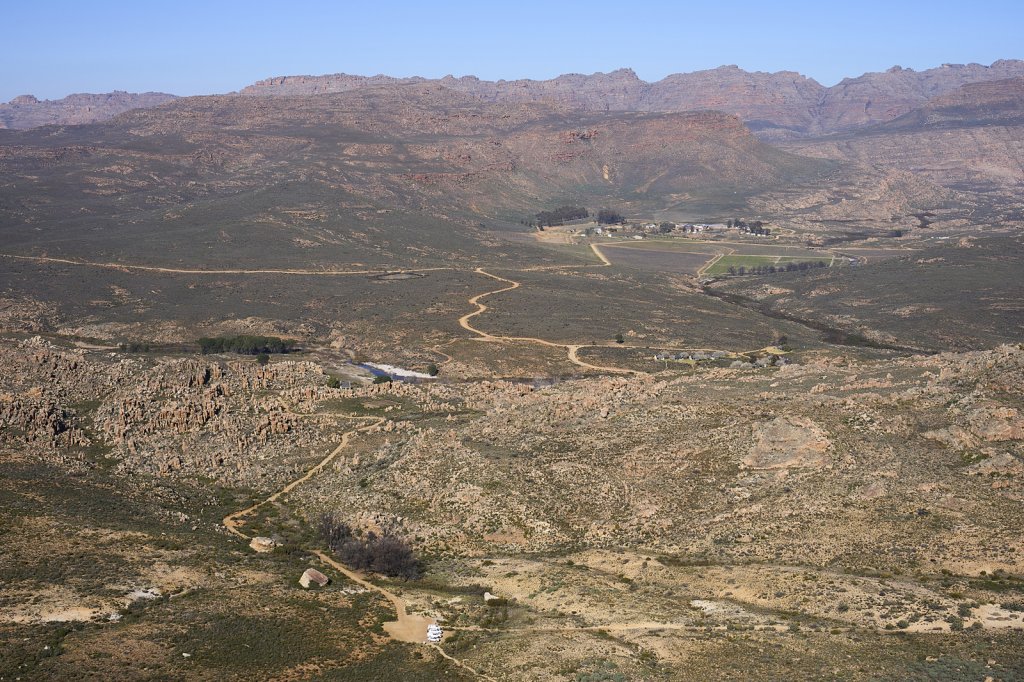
(184, 271)
(599, 254)
(406, 627)
(234, 520)
(571, 349)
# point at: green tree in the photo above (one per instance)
(609, 217)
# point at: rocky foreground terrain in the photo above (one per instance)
(655, 526)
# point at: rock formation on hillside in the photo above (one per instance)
(779, 105)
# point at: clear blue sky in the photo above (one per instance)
(53, 48)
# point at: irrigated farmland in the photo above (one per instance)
(682, 262)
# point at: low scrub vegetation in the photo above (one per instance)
(134, 347)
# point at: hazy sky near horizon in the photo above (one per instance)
(51, 49)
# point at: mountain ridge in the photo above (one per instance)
(779, 105)
(26, 111)
(776, 105)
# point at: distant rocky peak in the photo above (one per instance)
(27, 111)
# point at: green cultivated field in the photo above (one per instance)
(733, 261)
(942, 298)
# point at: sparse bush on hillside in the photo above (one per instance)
(385, 554)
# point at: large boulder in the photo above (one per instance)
(311, 576)
(263, 545)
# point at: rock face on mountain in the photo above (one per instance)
(989, 102)
(770, 103)
(780, 105)
(787, 442)
(969, 138)
(880, 97)
(28, 112)
(775, 105)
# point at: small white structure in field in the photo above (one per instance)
(490, 597)
(434, 633)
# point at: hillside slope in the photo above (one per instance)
(374, 175)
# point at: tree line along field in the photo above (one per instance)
(684, 256)
(699, 257)
(732, 263)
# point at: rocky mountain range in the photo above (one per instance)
(776, 105)
(28, 112)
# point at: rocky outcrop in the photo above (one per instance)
(41, 420)
(996, 423)
(787, 442)
(263, 545)
(311, 577)
(880, 97)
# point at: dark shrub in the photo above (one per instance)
(385, 554)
